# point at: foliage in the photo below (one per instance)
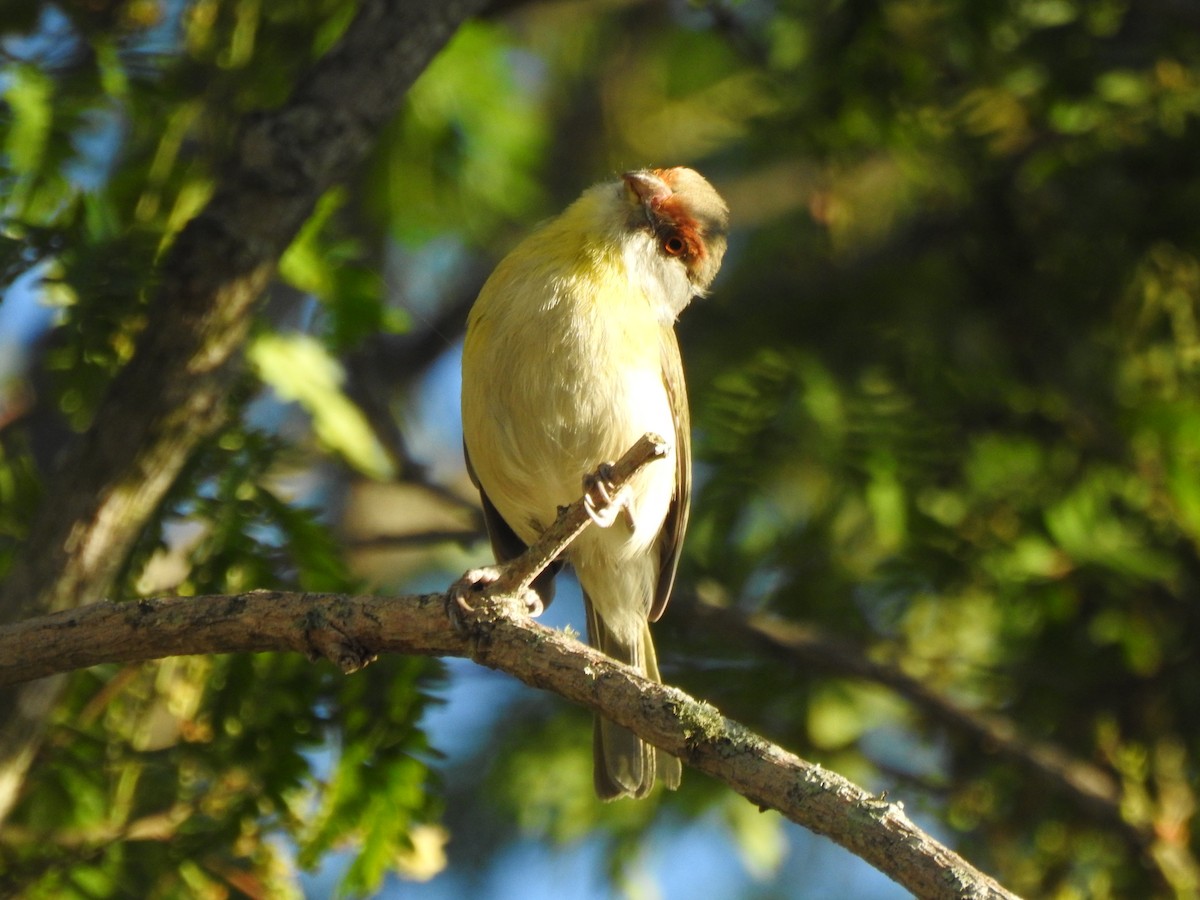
(944, 392)
(180, 778)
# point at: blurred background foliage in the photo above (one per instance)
(947, 405)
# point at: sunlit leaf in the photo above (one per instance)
(299, 368)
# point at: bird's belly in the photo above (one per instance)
(577, 421)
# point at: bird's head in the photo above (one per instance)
(669, 225)
(684, 214)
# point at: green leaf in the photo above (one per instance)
(29, 96)
(299, 368)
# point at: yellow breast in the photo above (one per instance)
(561, 371)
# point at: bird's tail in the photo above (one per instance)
(625, 765)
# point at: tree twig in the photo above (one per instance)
(517, 576)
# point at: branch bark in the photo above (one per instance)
(351, 630)
(172, 393)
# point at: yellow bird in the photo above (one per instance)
(570, 357)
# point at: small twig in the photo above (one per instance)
(516, 577)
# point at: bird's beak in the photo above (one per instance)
(646, 186)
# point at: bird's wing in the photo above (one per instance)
(671, 539)
(505, 543)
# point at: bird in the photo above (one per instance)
(570, 356)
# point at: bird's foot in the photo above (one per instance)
(602, 502)
(468, 597)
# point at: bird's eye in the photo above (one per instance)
(674, 245)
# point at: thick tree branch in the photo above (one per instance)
(172, 393)
(351, 630)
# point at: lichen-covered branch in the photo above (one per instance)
(352, 630)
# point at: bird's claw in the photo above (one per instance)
(534, 606)
(601, 501)
(462, 600)
(462, 592)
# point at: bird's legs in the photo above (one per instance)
(601, 502)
